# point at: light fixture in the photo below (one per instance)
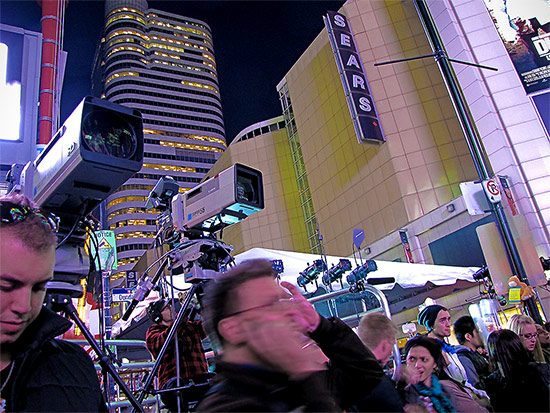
(336, 272)
(311, 273)
(360, 273)
(277, 266)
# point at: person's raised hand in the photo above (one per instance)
(310, 317)
(280, 345)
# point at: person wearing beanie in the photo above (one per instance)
(437, 321)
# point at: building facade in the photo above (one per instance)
(404, 192)
(163, 65)
(264, 146)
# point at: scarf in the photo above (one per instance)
(447, 348)
(441, 403)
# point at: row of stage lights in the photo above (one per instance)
(335, 273)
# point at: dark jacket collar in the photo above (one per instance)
(251, 376)
(47, 325)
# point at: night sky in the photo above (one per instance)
(255, 42)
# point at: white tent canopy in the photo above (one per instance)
(405, 274)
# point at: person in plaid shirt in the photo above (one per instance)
(192, 361)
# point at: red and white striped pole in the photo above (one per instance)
(52, 35)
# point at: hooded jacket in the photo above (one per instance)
(49, 374)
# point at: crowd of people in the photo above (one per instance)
(277, 353)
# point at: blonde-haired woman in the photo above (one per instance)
(526, 329)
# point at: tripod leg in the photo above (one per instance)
(103, 358)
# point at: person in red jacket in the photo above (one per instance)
(193, 368)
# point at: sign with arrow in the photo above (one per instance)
(104, 251)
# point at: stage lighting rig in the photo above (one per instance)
(336, 272)
(360, 273)
(311, 273)
(277, 266)
(481, 274)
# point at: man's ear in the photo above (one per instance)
(387, 344)
(468, 337)
(230, 330)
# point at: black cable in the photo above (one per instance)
(80, 217)
(64, 240)
(173, 286)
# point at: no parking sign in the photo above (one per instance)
(491, 188)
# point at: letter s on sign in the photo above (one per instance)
(339, 20)
(364, 104)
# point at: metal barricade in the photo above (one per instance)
(384, 307)
(129, 371)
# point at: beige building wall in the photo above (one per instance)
(280, 225)
(379, 188)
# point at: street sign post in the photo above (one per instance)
(492, 189)
(122, 294)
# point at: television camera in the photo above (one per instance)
(223, 200)
(192, 219)
(96, 150)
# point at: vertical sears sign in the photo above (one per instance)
(361, 105)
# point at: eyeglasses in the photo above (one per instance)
(11, 213)
(529, 336)
(279, 303)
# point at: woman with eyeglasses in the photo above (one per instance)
(518, 384)
(430, 389)
(526, 329)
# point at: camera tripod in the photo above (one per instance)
(183, 313)
(59, 296)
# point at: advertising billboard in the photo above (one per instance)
(20, 53)
(524, 26)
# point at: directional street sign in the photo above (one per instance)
(106, 250)
(122, 294)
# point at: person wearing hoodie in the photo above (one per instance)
(470, 351)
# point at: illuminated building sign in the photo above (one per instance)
(361, 105)
(524, 27)
(20, 52)
(11, 49)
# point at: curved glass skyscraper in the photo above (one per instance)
(163, 65)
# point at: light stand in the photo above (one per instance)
(59, 299)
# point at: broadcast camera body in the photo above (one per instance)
(196, 216)
(97, 149)
(226, 199)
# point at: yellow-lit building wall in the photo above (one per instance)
(280, 225)
(379, 188)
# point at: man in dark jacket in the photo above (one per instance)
(38, 372)
(476, 366)
(279, 354)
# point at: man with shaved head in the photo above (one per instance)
(38, 372)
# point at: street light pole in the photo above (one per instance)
(474, 144)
